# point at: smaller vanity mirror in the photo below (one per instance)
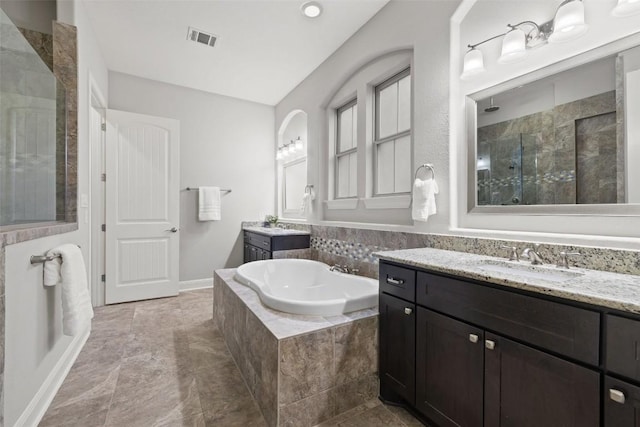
(565, 139)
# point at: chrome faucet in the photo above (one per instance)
(344, 269)
(563, 260)
(513, 252)
(533, 255)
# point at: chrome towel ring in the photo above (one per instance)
(428, 166)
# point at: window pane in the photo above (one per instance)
(404, 104)
(295, 178)
(354, 121)
(388, 111)
(353, 174)
(346, 130)
(402, 161)
(385, 168)
(343, 176)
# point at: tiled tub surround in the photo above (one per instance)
(302, 370)
(611, 290)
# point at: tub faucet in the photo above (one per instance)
(533, 255)
(339, 268)
(343, 269)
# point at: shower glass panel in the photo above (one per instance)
(32, 134)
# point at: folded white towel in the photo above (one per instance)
(69, 271)
(209, 204)
(307, 202)
(424, 199)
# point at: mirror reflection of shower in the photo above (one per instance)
(507, 170)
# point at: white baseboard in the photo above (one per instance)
(36, 409)
(191, 285)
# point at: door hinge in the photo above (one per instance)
(104, 277)
(104, 227)
(103, 126)
(103, 177)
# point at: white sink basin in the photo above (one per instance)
(528, 271)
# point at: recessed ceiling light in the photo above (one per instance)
(311, 9)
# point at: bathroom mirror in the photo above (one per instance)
(565, 140)
(32, 134)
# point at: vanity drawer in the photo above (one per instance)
(560, 328)
(263, 242)
(398, 281)
(623, 346)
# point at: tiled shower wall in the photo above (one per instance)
(355, 247)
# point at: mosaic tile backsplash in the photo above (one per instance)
(355, 247)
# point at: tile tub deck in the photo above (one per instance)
(301, 370)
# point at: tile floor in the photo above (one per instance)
(164, 363)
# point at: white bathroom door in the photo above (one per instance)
(142, 207)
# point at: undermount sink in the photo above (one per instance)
(528, 271)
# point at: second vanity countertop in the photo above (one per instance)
(267, 231)
(612, 290)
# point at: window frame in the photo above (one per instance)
(350, 151)
(377, 141)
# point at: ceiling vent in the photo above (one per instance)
(202, 37)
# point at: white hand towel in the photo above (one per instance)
(69, 272)
(424, 199)
(307, 202)
(209, 204)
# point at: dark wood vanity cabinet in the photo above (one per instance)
(260, 246)
(397, 348)
(481, 357)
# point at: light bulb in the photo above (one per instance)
(626, 8)
(568, 23)
(473, 64)
(513, 47)
(298, 144)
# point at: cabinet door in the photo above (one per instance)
(265, 254)
(397, 349)
(449, 370)
(247, 253)
(529, 388)
(254, 255)
(621, 404)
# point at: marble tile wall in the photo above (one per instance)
(310, 369)
(42, 43)
(354, 247)
(535, 158)
(65, 67)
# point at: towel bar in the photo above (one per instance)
(41, 259)
(197, 188)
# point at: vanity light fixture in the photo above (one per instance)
(311, 9)
(567, 24)
(298, 144)
(626, 8)
(279, 154)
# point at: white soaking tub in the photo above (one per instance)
(302, 286)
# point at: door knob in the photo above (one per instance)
(490, 345)
(172, 229)
(407, 311)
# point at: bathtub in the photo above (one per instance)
(302, 286)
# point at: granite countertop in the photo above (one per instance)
(612, 290)
(267, 231)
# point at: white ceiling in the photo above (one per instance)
(265, 47)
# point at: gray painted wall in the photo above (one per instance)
(224, 142)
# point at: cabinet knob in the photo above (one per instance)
(616, 395)
(473, 338)
(490, 345)
(407, 311)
